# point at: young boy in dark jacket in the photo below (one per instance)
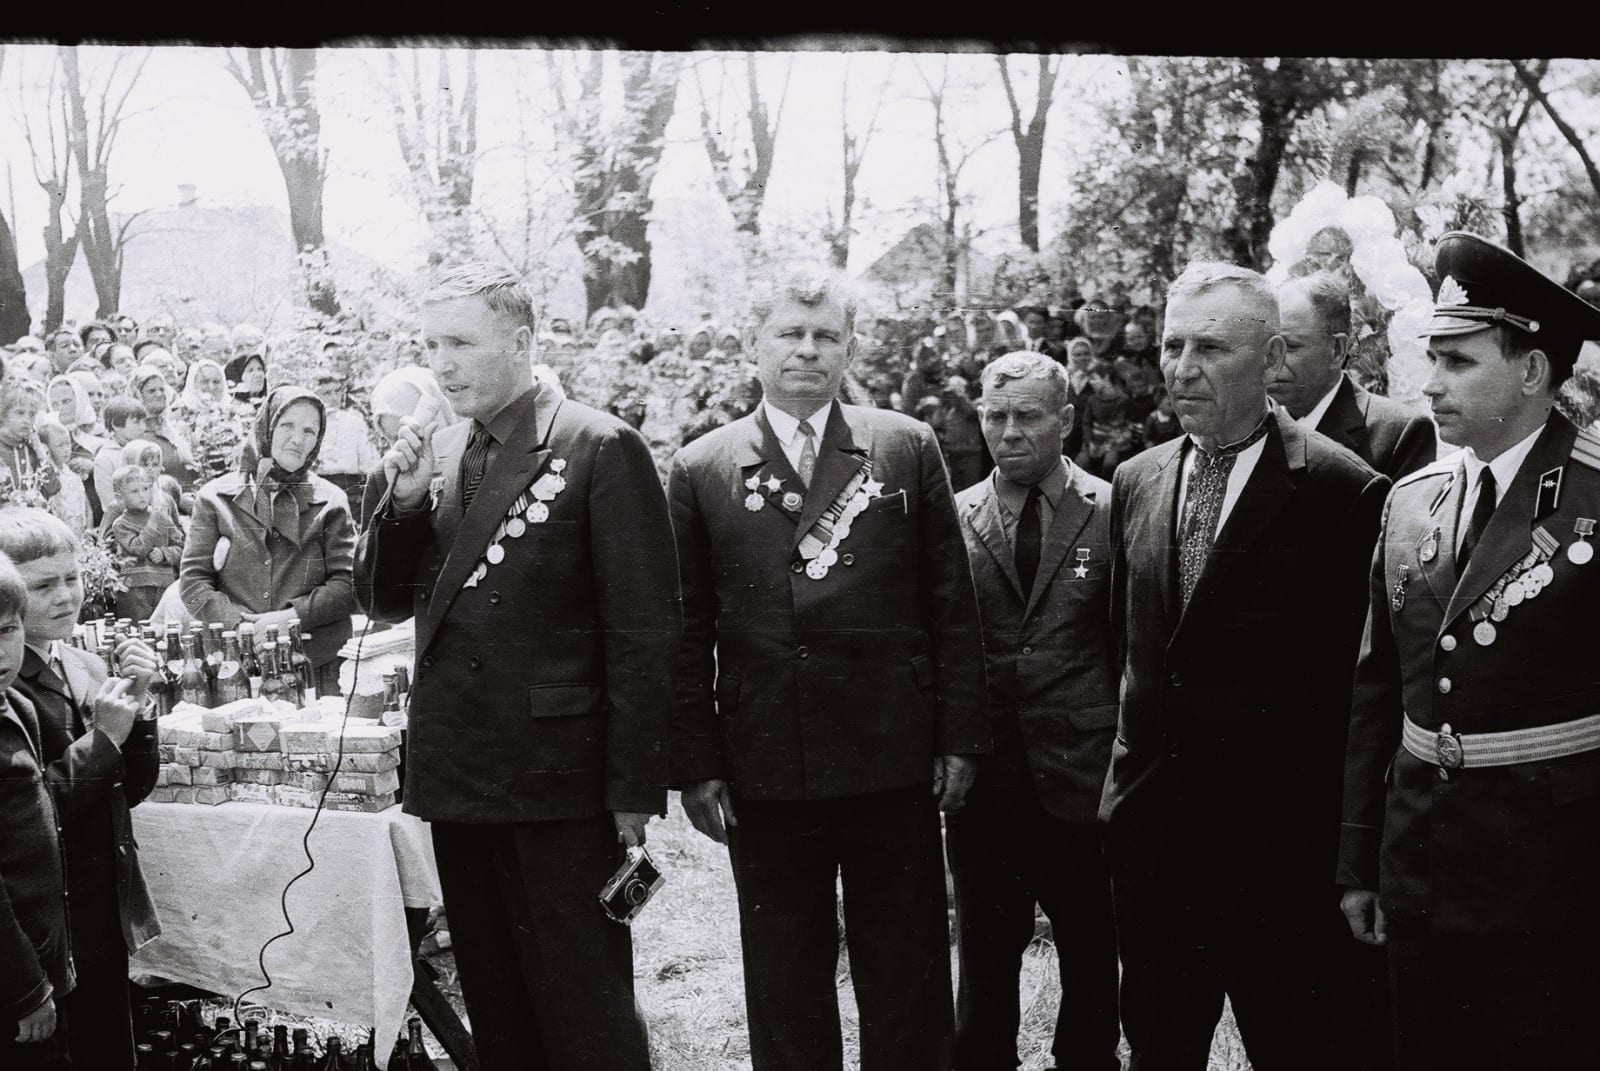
(35, 960)
(98, 743)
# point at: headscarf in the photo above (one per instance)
(390, 394)
(191, 396)
(277, 493)
(233, 372)
(82, 408)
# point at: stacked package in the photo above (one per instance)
(271, 753)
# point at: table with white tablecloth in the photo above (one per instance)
(216, 875)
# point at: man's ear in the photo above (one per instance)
(524, 341)
(1277, 352)
(1537, 374)
(1069, 416)
(1341, 347)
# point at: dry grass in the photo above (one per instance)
(689, 975)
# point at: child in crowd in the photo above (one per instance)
(1162, 425)
(97, 739)
(35, 959)
(32, 473)
(149, 539)
(71, 503)
(125, 419)
(1109, 433)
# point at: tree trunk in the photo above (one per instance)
(1029, 141)
(1531, 80)
(59, 253)
(1508, 181)
(14, 317)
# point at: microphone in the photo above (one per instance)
(424, 415)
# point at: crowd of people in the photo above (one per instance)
(1206, 651)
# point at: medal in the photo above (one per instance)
(815, 569)
(1515, 593)
(842, 531)
(1397, 598)
(792, 500)
(496, 554)
(828, 558)
(773, 484)
(1543, 574)
(1582, 552)
(752, 483)
(558, 465)
(515, 527)
(1430, 546)
(1484, 633)
(752, 502)
(1500, 611)
(538, 513)
(1081, 570)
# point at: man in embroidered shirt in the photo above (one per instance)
(830, 690)
(1238, 553)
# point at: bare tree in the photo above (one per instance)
(613, 162)
(50, 148)
(1029, 139)
(1502, 106)
(281, 84)
(1531, 75)
(14, 317)
(952, 155)
(742, 181)
(854, 143)
(437, 127)
(92, 139)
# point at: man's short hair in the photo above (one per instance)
(1329, 298)
(501, 289)
(1206, 276)
(63, 331)
(121, 409)
(805, 284)
(1025, 364)
(28, 534)
(124, 473)
(15, 391)
(13, 592)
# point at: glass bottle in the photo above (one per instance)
(333, 1056)
(288, 678)
(192, 684)
(417, 1058)
(271, 686)
(248, 655)
(302, 664)
(232, 684)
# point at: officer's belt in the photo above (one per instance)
(1452, 750)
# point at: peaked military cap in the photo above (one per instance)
(1482, 285)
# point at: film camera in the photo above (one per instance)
(631, 887)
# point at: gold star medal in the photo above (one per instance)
(1081, 570)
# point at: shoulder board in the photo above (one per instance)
(1586, 449)
(1445, 466)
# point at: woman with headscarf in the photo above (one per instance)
(247, 378)
(400, 393)
(215, 426)
(149, 386)
(277, 542)
(73, 406)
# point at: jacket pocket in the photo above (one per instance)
(563, 700)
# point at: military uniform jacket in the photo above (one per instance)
(1235, 707)
(543, 688)
(1492, 850)
(828, 687)
(1050, 653)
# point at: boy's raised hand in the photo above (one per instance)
(137, 662)
(115, 709)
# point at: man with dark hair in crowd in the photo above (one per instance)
(1312, 385)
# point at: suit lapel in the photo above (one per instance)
(15, 709)
(839, 457)
(520, 459)
(984, 519)
(1344, 422)
(1071, 516)
(1263, 497)
(449, 460)
(1169, 473)
(1440, 571)
(1510, 530)
(56, 704)
(762, 454)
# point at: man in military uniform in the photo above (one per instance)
(1472, 787)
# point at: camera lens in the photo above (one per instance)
(635, 892)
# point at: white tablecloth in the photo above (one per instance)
(216, 874)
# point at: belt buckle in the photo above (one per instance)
(1447, 749)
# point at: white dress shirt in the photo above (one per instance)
(787, 429)
(1320, 410)
(1243, 466)
(1504, 467)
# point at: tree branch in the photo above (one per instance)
(1567, 131)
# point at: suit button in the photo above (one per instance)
(1175, 679)
(1027, 650)
(122, 849)
(473, 662)
(425, 592)
(494, 598)
(798, 567)
(1444, 685)
(427, 662)
(848, 559)
(801, 652)
(1447, 643)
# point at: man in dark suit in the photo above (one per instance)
(1472, 792)
(1238, 552)
(830, 693)
(533, 546)
(1311, 382)
(1036, 534)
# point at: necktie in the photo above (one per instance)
(1482, 510)
(808, 453)
(474, 463)
(1028, 533)
(1208, 485)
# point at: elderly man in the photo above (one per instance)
(1036, 534)
(1238, 553)
(533, 547)
(1312, 385)
(65, 347)
(830, 693)
(1472, 793)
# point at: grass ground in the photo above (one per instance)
(689, 975)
